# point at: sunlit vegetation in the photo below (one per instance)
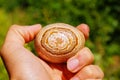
(102, 16)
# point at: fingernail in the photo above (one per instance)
(73, 64)
(86, 28)
(75, 78)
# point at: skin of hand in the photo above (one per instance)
(22, 64)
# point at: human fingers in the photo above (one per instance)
(81, 59)
(84, 28)
(16, 38)
(18, 60)
(90, 72)
(22, 34)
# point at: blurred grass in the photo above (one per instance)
(4, 25)
(3, 72)
(5, 22)
(102, 17)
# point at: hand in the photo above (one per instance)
(22, 64)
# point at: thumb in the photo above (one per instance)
(22, 34)
(20, 63)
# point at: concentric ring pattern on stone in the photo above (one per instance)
(59, 40)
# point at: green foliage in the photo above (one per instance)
(3, 72)
(102, 17)
(4, 24)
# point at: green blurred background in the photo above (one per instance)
(103, 17)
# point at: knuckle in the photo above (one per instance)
(89, 55)
(14, 25)
(100, 71)
(89, 70)
(94, 71)
(15, 28)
